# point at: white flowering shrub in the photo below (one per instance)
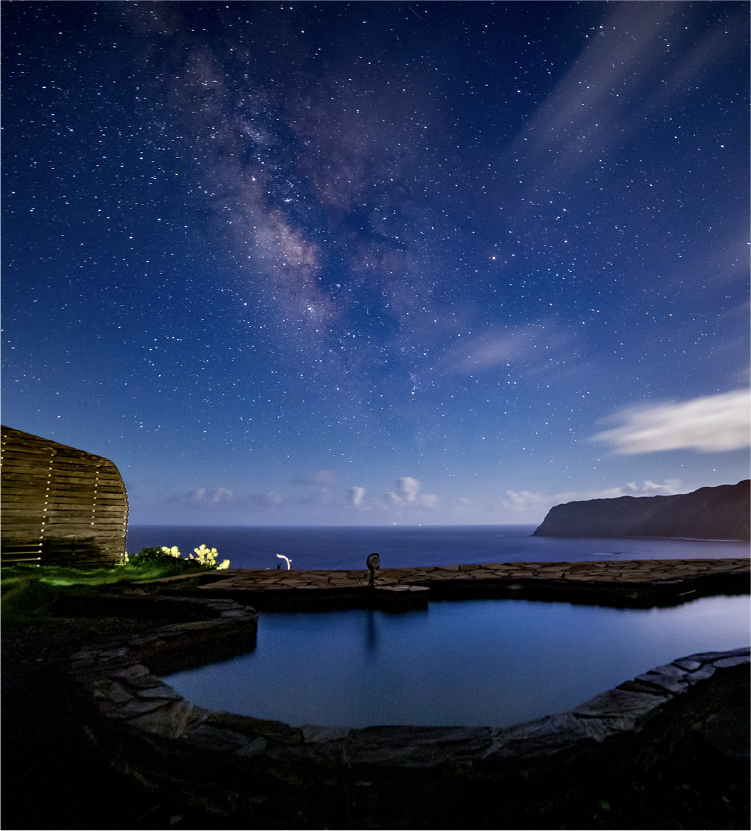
(205, 557)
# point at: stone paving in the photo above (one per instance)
(619, 582)
(601, 571)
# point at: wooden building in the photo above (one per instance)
(60, 505)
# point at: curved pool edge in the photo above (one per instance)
(268, 771)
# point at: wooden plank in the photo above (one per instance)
(70, 499)
(19, 535)
(13, 522)
(88, 470)
(31, 459)
(23, 513)
(14, 466)
(21, 546)
(26, 452)
(83, 511)
(74, 477)
(27, 486)
(20, 555)
(19, 441)
(22, 539)
(18, 489)
(85, 500)
(70, 479)
(79, 535)
(18, 466)
(13, 476)
(21, 525)
(19, 495)
(51, 511)
(51, 503)
(82, 515)
(67, 450)
(68, 491)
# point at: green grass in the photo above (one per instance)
(28, 591)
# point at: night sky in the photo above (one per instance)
(375, 263)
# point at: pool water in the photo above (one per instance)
(463, 663)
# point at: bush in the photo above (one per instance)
(149, 555)
(204, 558)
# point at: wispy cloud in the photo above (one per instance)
(618, 79)
(206, 497)
(709, 424)
(321, 484)
(536, 501)
(536, 347)
(224, 498)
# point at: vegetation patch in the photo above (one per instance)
(29, 591)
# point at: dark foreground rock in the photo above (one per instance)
(720, 513)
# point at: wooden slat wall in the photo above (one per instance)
(59, 504)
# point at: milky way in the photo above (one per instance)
(330, 263)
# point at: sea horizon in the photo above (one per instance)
(347, 547)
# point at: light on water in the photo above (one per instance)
(482, 662)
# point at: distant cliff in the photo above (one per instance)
(720, 513)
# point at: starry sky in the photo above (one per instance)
(379, 263)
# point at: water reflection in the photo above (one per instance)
(493, 662)
(371, 632)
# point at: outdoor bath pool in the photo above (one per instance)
(463, 663)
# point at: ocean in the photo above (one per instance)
(256, 547)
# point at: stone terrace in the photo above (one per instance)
(610, 581)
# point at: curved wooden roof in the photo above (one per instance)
(59, 504)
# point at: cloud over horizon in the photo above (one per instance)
(409, 495)
(708, 424)
(540, 503)
(356, 495)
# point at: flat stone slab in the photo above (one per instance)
(658, 575)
